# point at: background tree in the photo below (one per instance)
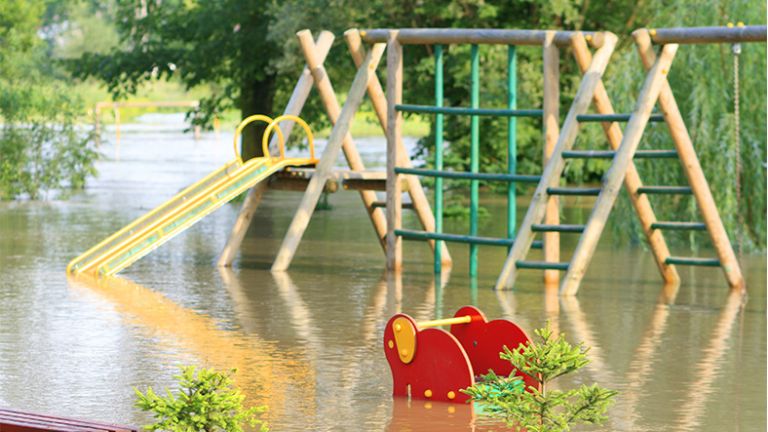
(223, 44)
(249, 56)
(40, 147)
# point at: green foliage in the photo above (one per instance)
(205, 401)
(544, 409)
(76, 27)
(222, 44)
(41, 148)
(702, 81)
(248, 54)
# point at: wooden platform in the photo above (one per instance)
(297, 179)
(19, 421)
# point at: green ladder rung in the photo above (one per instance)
(542, 265)
(691, 226)
(459, 238)
(493, 112)
(383, 204)
(703, 262)
(620, 117)
(656, 154)
(593, 191)
(518, 178)
(589, 154)
(665, 190)
(564, 228)
(609, 154)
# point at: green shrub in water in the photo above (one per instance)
(205, 401)
(544, 410)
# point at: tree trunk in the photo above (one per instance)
(256, 97)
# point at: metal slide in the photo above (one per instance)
(152, 230)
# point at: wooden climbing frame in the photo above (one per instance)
(550, 41)
(655, 90)
(339, 140)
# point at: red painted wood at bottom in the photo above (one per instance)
(20, 421)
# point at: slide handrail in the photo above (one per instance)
(300, 122)
(248, 120)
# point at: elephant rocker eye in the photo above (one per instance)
(405, 339)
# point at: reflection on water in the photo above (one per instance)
(708, 369)
(308, 343)
(419, 415)
(272, 373)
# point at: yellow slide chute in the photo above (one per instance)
(150, 231)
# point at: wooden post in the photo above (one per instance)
(552, 172)
(632, 179)
(97, 125)
(615, 175)
(116, 110)
(394, 125)
(331, 104)
(551, 124)
(243, 221)
(379, 101)
(328, 159)
(690, 163)
(252, 200)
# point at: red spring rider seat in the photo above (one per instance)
(433, 364)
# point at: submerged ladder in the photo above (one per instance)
(625, 150)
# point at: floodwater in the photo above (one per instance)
(307, 343)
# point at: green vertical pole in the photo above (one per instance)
(438, 155)
(511, 141)
(473, 290)
(474, 158)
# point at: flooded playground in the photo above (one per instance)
(308, 343)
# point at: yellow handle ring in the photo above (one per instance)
(250, 119)
(300, 122)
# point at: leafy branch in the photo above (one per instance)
(206, 400)
(542, 409)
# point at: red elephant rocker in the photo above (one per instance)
(433, 364)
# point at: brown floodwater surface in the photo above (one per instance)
(307, 343)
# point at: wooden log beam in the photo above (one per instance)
(431, 36)
(414, 188)
(297, 179)
(394, 131)
(551, 123)
(148, 104)
(692, 168)
(632, 180)
(553, 170)
(613, 179)
(332, 107)
(243, 221)
(331, 152)
(299, 184)
(252, 200)
(705, 35)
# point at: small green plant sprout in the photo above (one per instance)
(205, 401)
(543, 409)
